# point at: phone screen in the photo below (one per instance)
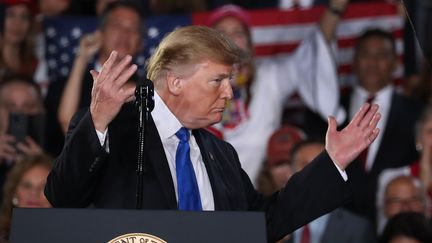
(18, 126)
(22, 125)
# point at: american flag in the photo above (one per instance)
(273, 32)
(280, 32)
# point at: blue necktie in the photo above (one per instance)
(188, 192)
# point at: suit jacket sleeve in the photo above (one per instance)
(72, 181)
(316, 190)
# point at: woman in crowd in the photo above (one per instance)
(17, 40)
(24, 188)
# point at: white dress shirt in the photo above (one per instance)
(383, 99)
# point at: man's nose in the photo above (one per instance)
(227, 92)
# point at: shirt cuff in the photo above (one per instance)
(102, 136)
(341, 172)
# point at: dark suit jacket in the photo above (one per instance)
(84, 174)
(344, 226)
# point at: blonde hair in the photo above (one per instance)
(191, 45)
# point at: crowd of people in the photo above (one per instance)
(390, 181)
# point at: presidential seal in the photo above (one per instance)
(137, 238)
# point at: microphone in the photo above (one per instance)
(144, 95)
(144, 102)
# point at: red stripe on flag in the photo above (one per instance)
(268, 17)
(278, 48)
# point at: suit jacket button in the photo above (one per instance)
(91, 169)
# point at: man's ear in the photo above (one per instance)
(174, 84)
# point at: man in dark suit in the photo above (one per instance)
(375, 61)
(374, 64)
(191, 71)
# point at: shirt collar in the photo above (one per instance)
(381, 95)
(166, 123)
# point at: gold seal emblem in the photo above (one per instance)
(137, 238)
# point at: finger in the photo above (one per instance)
(366, 121)
(332, 124)
(376, 118)
(97, 35)
(8, 149)
(124, 76)
(129, 94)
(121, 67)
(373, 135)
(7, 139)
(360, 114)
(31, 143)
(372, 131)
(94, 73)
(23, 148)
(107, 66)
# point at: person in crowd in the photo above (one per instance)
(401, 193)
(264, 84)
(339, 225)
(277, 169)
(420, 169)
(374, 63)
(121, 29)
(142, 6)
(423, 167)
(18, 96)
(17, 40)
(191, 71)
(55, 10)
(24, 189)
(407, 227)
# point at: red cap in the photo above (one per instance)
(229, 10)
(16, 2)
(281, 142)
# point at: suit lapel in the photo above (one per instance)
(156, 155)
(124, 137)
(214, 170)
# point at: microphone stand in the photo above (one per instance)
(144, 101)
